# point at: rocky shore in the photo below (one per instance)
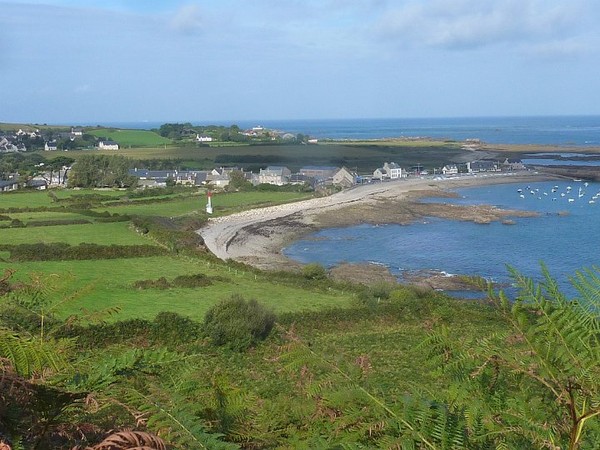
(257, 236)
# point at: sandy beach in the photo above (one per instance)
(257, 236)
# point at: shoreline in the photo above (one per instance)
(257, 237)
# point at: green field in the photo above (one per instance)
(224, 203)
(109, 283)
(112, 280)
(119, 233)
(130, 138)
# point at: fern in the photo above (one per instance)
(543, 387)
(31, 357)
(171, 419)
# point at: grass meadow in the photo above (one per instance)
(118, 233)
(195, 203)
(131, 138)
(109, 283)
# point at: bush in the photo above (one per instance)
(160, 283)
(314, 271)
(238, 324)
(170, 329)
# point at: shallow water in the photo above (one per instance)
(565, 236)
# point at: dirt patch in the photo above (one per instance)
(445, 282)
(367, 274)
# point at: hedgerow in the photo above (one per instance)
(61, 251)
(167, 329)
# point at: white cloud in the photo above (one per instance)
(187, 19)
(460, 24)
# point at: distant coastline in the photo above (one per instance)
(581, 131)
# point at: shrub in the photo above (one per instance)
(373, 295)
(160, 283)
(314, 271)
(238, 324)
(171, 329)
(191, 281)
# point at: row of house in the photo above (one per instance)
(276, 175)
(508, 165)
(313, 175)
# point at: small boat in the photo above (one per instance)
(571, 200)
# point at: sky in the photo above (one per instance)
(106, 61)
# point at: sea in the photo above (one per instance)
(565, 236)
(555, 130)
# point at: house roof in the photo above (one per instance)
(4, 183)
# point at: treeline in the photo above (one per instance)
(180, 131)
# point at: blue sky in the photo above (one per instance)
(91, 61)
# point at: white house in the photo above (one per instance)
(108, 145)
(49, 146)
(393, 170)
(450, 169)
(203, 138)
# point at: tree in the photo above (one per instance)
(101, 171)
(238, 182)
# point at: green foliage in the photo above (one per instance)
(29, 357)
(181, 281)
(60, 251)
(237, 181)
(539, 385)
(237, 323)
(314, 271)
(101, 171)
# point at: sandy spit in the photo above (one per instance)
(257, 236)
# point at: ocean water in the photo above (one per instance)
(556, 130)
(565, 236)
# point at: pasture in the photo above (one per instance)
(118, 233)
(110, 283)
(130, 138)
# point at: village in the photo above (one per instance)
(316, 177)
